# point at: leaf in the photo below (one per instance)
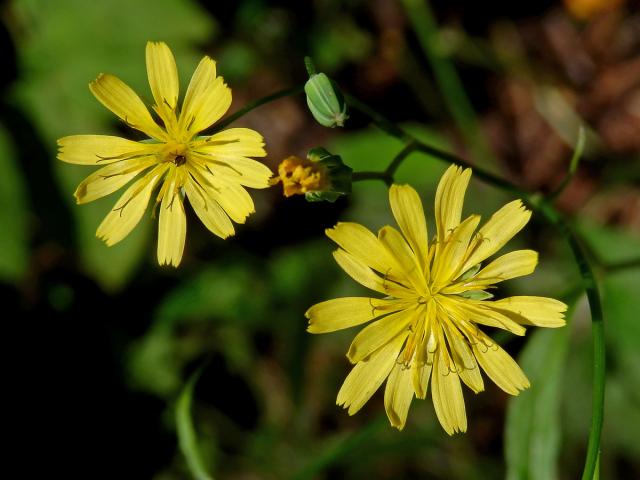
(14, 254)
(532, 430)
(187, 437)
(215, 297)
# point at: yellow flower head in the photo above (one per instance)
(299, 176)
(426, 329)
(211, 171)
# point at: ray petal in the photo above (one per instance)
(118, 97)
(367, 376)
(341, 313)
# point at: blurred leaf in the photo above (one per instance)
(620, 304)
(214, 298)
(65, 44)
(339, 41)
(565, 121)
(532, 430)
(14, 249)
(611, 245)
(187, 437)
(218, 292)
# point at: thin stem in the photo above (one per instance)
(309, 65)
(573, 165)
(394, 130)
(621, 265)
(287, 92)
(399, 158)
(359, 176)
(545, 208)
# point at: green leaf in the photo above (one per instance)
(14, 251)
(532, 431)
(187, 437)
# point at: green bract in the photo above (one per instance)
(338, 174)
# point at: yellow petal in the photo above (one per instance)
(467, 367)
(510, 265)
(447, 396)
(408, 212)
(101, 149)
(118, 97)
(362, 274)
(172, 227)
(111, 178)
(206, 100)
(410, 271)
(243, 171)
(208, 210)
(450, 255)
(449, 200)
(480, 312)
(398, 395)
(233, 142)
(130, 207)
(163, 80)
(526, 310)
(367, 376)
(365, 247)
(380, 333)
(499, 365)
(229, 194)
(420, 379)
(341, 313)
(494, 234)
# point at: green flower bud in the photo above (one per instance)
(325, 101)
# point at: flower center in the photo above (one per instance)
(174, 152)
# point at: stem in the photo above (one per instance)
(394, 130)
(287, 92)
(359, 176)
(311, 68)
(573, 165)
(543, 207)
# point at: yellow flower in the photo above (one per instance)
(299, 176)
(211, 171)
(427, 326)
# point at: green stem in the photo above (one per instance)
(573, 165)
(309, 65)
(287, 92)
(544, 208)
(359, 176)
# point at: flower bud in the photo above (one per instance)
(321, 176)
(325, 101)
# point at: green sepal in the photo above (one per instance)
(470, 273)
(339, 176)
(476, 295)
(325, 101)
